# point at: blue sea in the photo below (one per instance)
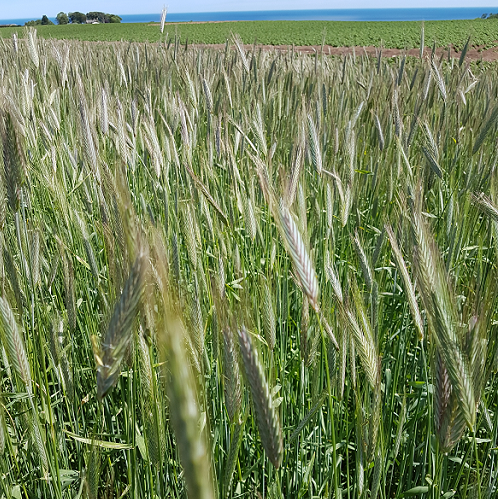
(302, 15)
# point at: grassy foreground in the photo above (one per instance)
(245, 274)
(336, 33)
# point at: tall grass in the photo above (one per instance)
(242, 273)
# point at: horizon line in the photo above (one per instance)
(291, 10)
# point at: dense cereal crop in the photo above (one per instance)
(243, 273)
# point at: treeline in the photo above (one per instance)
(77, 18)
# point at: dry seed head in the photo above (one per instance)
(265, 181)
(439, 80)
(477, 353)
(15, 45)
(300, 258)
(365, 266)
(163, 18)
(12, 277)
(377, 474)
(65, 65)
(240, 48)
(221, 277)
(250, 219)
(379, 130)
(259, 131)
(236, 261)
(314, 144)
(336, 284)
(439, 303)
(314, 341)
(39, 443)
(409, 288)
(427, 85)
(35, 257)
(430, 149)
(486, 205)
(294, 179)
(366, 350)
(231, 372)
(374, 422)
(104, 114)
(266, 415)
(54, 340)
(33, 46)
(152, 140)
(120, 330)
(449, 418)
(330, 206)
(13, 343)
(192, 93)
(442, 393)
(346, 203)
(351, 155)
(184, 130)
(207, 94)
(189, 235)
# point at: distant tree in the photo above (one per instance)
(102, 17)
(77, 18)
(62, 18)
(45, 21)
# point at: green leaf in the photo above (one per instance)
(99, 443)
(421, 489)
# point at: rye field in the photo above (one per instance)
(246, 273)
(390, 34)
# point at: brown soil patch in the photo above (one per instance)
(478, 53)
(475, 53)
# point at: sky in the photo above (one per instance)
(12, 9)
